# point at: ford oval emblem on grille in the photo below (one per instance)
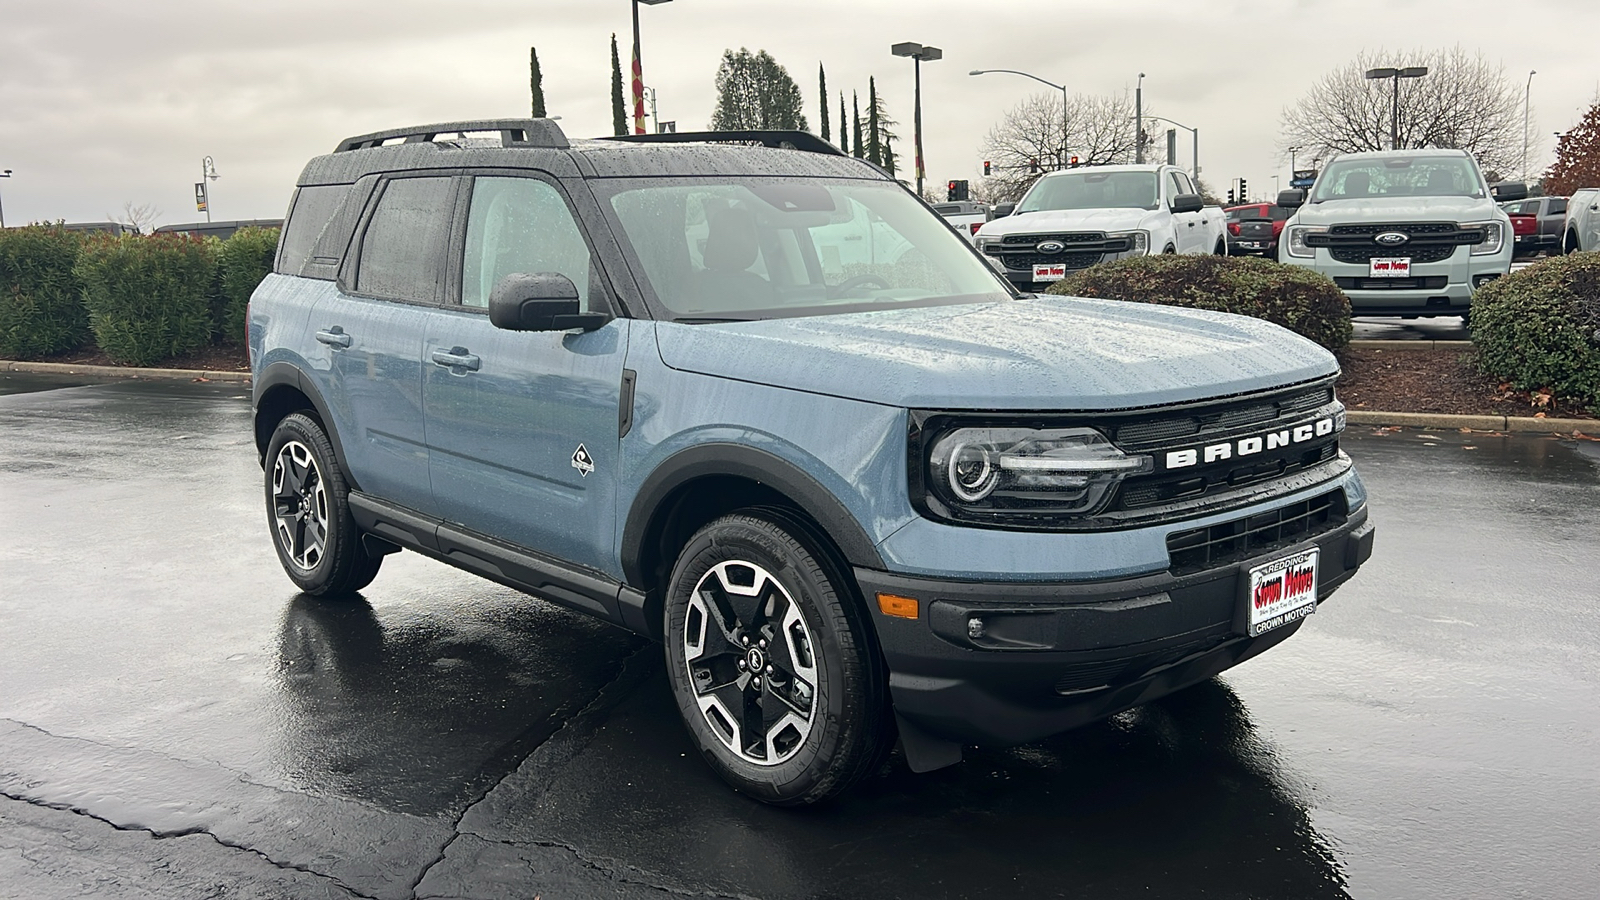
(1392, 238)
(1050, 246)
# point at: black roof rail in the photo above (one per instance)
(522, 132)
(780, 140)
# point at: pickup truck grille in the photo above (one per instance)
(1428, 241)
(1425, 283)
(1080, 249)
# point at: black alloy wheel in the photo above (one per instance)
(772, 661)
(316, 539)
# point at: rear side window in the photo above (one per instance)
(403, 248)
(1558, 206)
(310, 212)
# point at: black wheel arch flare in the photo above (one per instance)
(271, 383)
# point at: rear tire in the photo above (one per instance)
(1221, 249)
(773, 662)
(307, 511)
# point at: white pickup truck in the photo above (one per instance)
(1073, 219)
(965, 216)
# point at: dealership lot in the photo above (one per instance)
(1431, 732)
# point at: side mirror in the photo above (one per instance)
(1294, 198)
(1507, 191)
(1003, 210)
(542, 301)
(1186, 203)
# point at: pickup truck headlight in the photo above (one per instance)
(1139, 242)
(984, 241)
(1494, 237)
(1296, 242)
(1057, 470)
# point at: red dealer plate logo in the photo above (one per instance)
(1282, 591)
(1054, 272)
(1391, 267)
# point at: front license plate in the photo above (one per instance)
(1049, 273)
(1283, 591)
(1394, 267)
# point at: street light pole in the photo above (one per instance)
(208, 169)
(1394, 107)
(638, 68)
(1060, 87)
(4, 174)
(1527, 96)
(918, 53)
(1194, 131)
(1138, 121)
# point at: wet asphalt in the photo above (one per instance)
(176, 722)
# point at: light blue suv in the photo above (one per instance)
(751, 398)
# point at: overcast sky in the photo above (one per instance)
(104, 103)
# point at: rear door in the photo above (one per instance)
(523, 426)
(1188, 229)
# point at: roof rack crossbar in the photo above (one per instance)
(782, 140)
(513, 132)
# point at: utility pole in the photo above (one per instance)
(1138, 121)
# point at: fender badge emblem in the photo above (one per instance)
(582, 461)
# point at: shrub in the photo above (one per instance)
(1303, 301)
(243, 261)
(146, 296)
(1540, 327)
(41, 301)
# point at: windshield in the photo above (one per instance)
(1404, 176)
(1092, 190)
(751, 248)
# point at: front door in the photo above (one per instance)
(523, 426)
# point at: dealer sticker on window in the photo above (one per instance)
(1395, 267)
(1283, 591)
(1054, 272)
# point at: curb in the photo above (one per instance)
(1513, 424)
(45, 368)
(1409, 345)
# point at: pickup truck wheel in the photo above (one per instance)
(771, 661)
(1169, 249)
(1570, 245)
(316, 539)
(1221, 249)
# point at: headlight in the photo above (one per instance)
(1140, 242)
(1494, 237)
(1297, 239)
(1058, 470)
(984, 241)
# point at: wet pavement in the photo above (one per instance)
(176, 722)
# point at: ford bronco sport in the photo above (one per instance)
(751, 398)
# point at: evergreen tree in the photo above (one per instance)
(822, 95)
(874, 142)
(536, 83)
(881, 121)
(888, 156)
(619, 113)
(754, 92)
(855, 138)
(844, 133)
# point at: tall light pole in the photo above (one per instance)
(1193, 131)
(1059, 87)
(1292, 152)
(918, 53)
(4, 174)
(1527, 95)
(1138, 121)
(1394, 108)
(638, 68)
(202, 194)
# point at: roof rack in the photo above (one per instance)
(780, 140)
(519, 132)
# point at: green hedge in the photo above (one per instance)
(1303, 301)
(41, 304)
(1540, 327)
(147, 296)
(244, 259)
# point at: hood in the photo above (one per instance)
(1038, 353)
(1461, 210)
(1068, 220)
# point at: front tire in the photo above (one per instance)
(307, 511)
(772, 661)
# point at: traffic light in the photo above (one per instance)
(1073, 162)
(1243, 193)
(957, 191)
(1230, 195)
(986, 168)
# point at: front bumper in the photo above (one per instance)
(1056, 656)
(1443, 288)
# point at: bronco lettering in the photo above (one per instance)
(1182, 459)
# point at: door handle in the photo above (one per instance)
(334, 337)
(456, 358)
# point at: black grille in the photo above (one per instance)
(1136, 435)
(1139, 494)
(1070, 260)
(1070, 237)
(1411, 228)
(1417, 253)
(1425, 283)
(1082, 249)
(1427, 242)
(1204, 548)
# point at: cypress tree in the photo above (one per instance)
(888, 156)
(855, 137)
(874, 142)
(619, 114)
(536, 83)
(822, 95)
(844, 133)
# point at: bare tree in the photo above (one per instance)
(1031, 139)
(142, 218)
(1464, 102)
